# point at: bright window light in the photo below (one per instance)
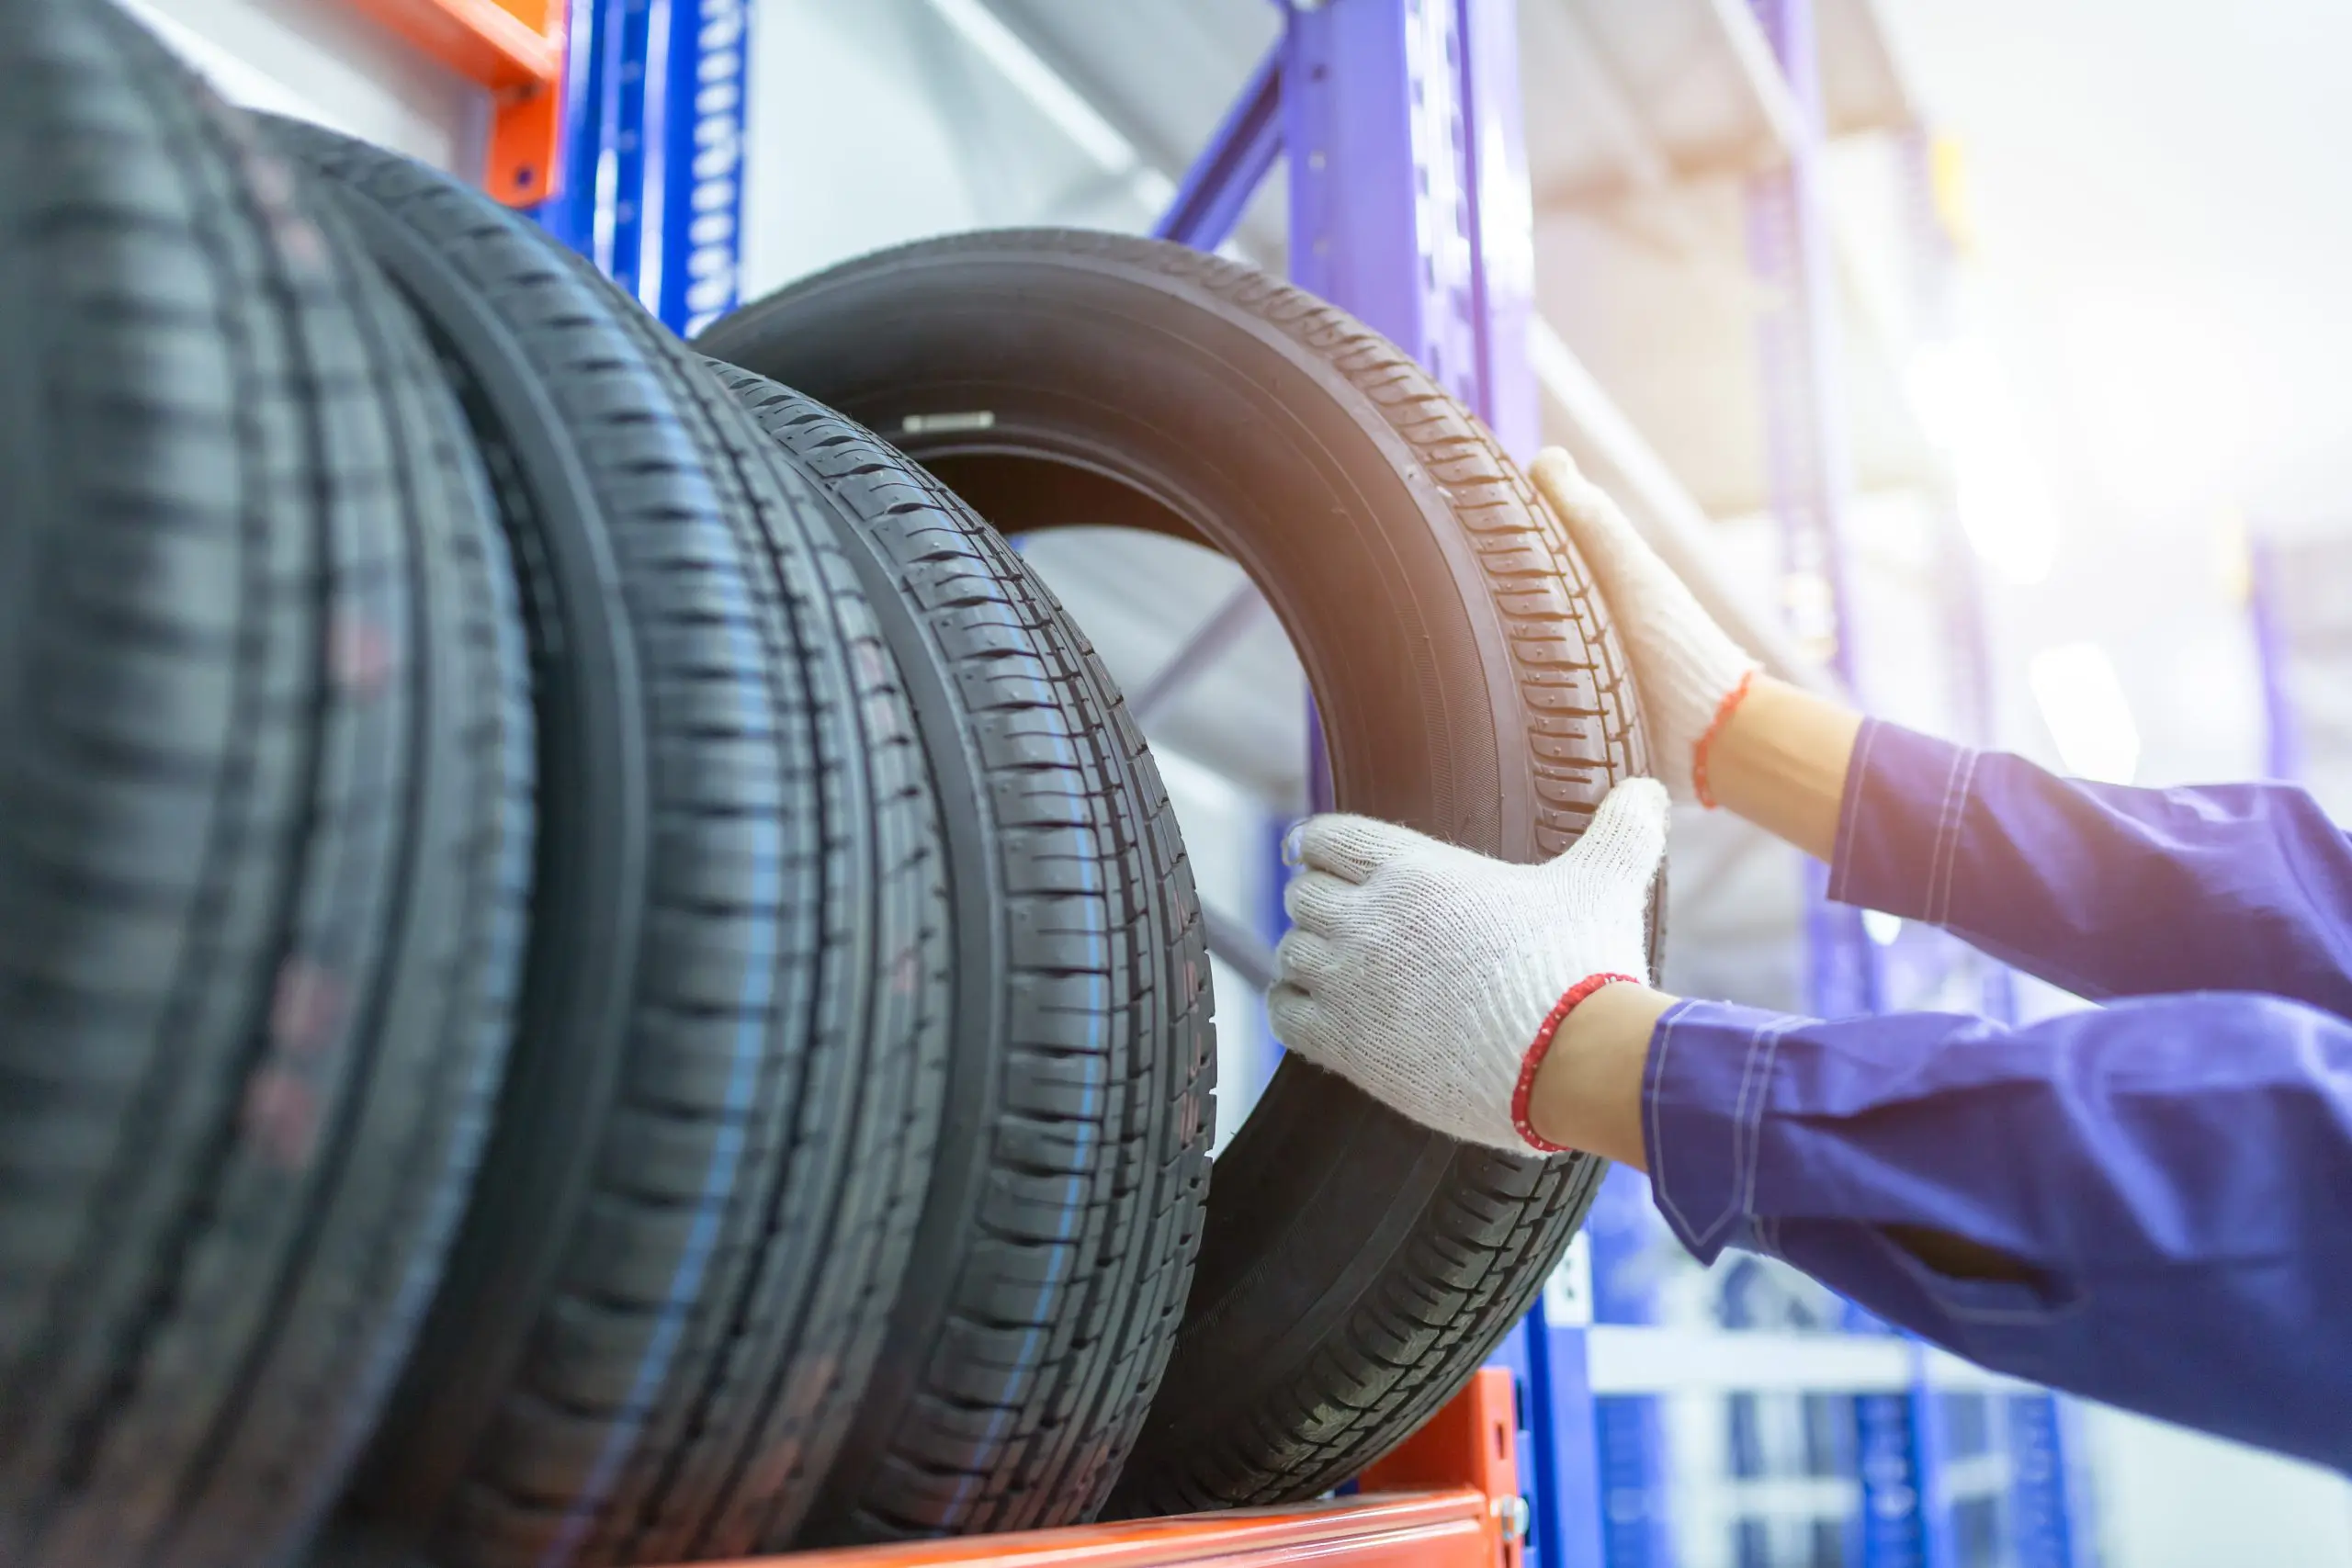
(1964, 403)
(2163, 400)
(2082, 702)
(1956, 386)
(1882, 928)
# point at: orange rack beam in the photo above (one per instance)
(515, 48)
(1449, 1499)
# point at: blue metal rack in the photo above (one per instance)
(652, 151)
(1899, 1523)
(1410, 206)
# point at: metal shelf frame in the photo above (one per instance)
(1448, 1498)
(518, 50)
(651, 187)
(1409, 205)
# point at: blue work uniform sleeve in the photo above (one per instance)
(2174, 1174)
(2104, 890)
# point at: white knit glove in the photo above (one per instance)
(1433, 978)
(1690, 675)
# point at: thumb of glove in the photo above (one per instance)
(1615, 864)
(1350, 848)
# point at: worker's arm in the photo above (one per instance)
(2105, 890)
(2146, 1203)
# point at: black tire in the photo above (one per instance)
(1356, 1268)
(1057, 1241)
(647, 1332)
(264, 809)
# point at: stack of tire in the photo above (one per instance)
(590, 971)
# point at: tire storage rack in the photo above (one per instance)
(661, 662)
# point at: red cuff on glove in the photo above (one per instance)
(1533, 1062)
(1699, 784)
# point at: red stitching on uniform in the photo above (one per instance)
(1699, 784)
(1545, 1032)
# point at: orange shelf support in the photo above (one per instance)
(513, 48)
(1449, 1499)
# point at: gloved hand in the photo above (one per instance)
(1690, 675)
(1434, 978)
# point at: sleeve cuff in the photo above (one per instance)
(1899, 823)
(1705, 1091)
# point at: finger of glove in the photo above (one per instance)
(1351, 848)
(1296, 1020)
(1305, 961)
(1622, 904)
(1319, 902)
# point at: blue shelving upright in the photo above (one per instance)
(652, 148)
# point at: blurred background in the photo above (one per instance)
(2094, 292)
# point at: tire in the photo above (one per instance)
(1356, 1268)
(1058, 1239)
(719, 1121)
(264, 804)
